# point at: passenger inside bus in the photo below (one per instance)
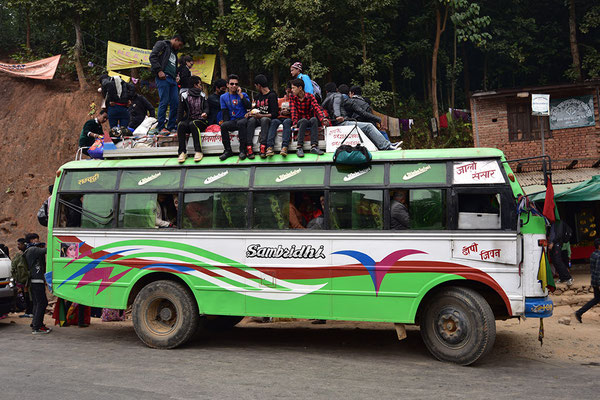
(197, 214)
(166, 212)
(400, 217)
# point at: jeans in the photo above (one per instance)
(372, 133)
(239, 125)
(591, 303)
(559, 265)
(168, 94)
(190, 127)
(40, 302)
(117, 116)
(287, 132)
(265, 122)
(303, 125)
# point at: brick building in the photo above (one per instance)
(502, 119)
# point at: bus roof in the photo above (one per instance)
(398, 155)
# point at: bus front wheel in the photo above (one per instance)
(165, 314)
(458, 326)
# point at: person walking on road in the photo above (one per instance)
(35, 255)
(595, 272)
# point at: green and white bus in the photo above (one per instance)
(426, 237)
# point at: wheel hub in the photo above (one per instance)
(165, 314)
(451, 326)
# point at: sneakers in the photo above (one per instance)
(578, 317)
(181, 158)
(173, 132)
(316, 150)
(44, 330)
(263, 151)
(284, 151)
(242, 155)
(164, 132)
(26, 316)
(300, 152)
(270, 152)
(396, 146)
(226, 154)
(250, 153)
(568, 282)
(198, 156)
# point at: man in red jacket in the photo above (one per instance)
(306, 111)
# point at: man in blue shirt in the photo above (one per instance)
(595, 272)
(163, 64)
(234, 105)
(296, 72)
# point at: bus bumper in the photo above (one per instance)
(538, 307)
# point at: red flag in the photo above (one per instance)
(549, 202)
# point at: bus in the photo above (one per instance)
(426, 237)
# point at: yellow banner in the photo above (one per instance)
(121, 56)
(204, 67)
(123, 77)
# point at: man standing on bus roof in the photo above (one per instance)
(92, 130)
(234, 105)
(306, 112)
(296, 72)
(266, 109)
(595, 282)
(163, 64)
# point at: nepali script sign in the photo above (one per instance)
(474, 172)
(495, 251)
(41, 69)
(334, 135)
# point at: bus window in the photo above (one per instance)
(147, 210)
(300, 175)
(198, 211)
(350, 175)
(225, 210)
(356, 210)
(216, 178)
(427, 209)
(288, 210)
(479, 211)
(150, 179)
(92, 211)
(87, 181)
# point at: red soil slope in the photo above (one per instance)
(40, 122)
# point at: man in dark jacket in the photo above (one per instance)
(184, 72)
(92, 130)
(117, 94)
(267, 109)
(214, 102)
(595, 272)
(358, 109)
(192, 118)
(35, 255)
(139, 108)
(163, 64)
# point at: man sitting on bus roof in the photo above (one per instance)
(192, 118)
(266, 109)
(359, 110)
(283, 119)
(234, 105)
(306, 112)
(92, 130)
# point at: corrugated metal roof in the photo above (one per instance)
(558, 176)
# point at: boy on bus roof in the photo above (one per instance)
(234, 105)
(306, 112)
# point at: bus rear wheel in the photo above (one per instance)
(458, 326)
(165, 314)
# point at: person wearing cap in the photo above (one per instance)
(296, 72)
(163, 64)
(266, 109)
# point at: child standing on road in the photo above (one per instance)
(595, 272)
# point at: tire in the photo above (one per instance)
(458, 326)
(165, 314)
(218, 323)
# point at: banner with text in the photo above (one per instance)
(204, 67)
(334, 135)
(121, 56)
(41, 69)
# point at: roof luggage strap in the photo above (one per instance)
(546, 168)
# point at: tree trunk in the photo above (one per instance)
(427, 81)
(28, 27)
(276, 78)
(134, 30)
(467, 76)
(363, 41)
(221, 37)
(148, 35)
(573, 40)
(439, 29)
(78, 45)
